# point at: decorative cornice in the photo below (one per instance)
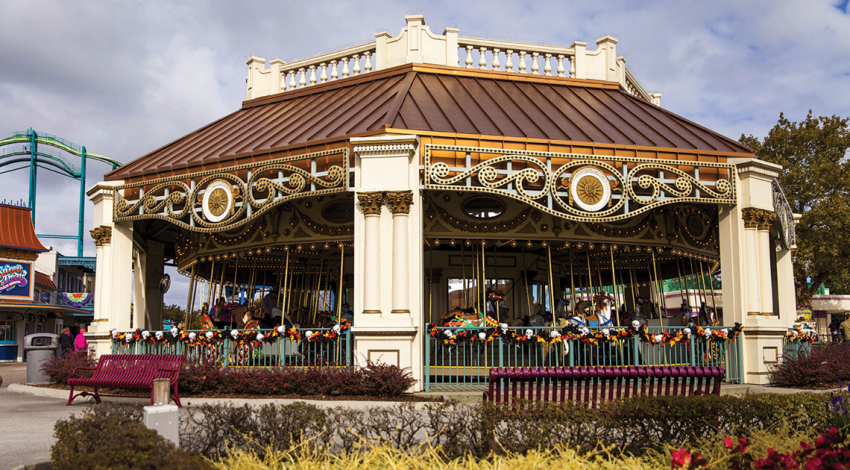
(102, 235)
(370, 203)
(385, 146)
(400, 201)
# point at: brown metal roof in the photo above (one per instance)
(422, 98)
(44, 280)
(16, 229)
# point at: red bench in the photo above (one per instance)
(592, 385)
(134, 371)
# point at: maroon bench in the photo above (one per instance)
(592, 385)
(134, 371)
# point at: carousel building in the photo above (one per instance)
(400, 176)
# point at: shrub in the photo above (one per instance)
(59, 369)
(826, 364)
(374, 380)
(384, 380)
(81, 443)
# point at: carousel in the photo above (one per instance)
(393, 202)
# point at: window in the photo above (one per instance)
(7, 330)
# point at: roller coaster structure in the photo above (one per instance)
(28, 148)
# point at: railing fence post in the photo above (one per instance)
(691, 344)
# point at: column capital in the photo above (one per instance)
(102, 235)
(766, 219)
(752, 217)
(370, 203)
(400, 201)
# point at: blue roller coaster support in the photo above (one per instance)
(26, 150)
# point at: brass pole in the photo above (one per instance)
(552, 298)
(663, 302)
(339, 294)
(705, 292)
(209, 294)
(315, 297)
(599, 274)
(431, 283)
(614, 287)
(525, 281)
(653, 287)
(191, 294)
(681, 281)
(465, 295)
(713, 302)
(483, 280)
(284, 280)
(496, 279)
(589, 280)
(572, 283)
(632, 289)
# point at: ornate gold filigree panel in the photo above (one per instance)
(785, 216)
(588, 188)
(219, 200)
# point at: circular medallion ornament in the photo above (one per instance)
(218, 199)
(590, 189)
(695, 225)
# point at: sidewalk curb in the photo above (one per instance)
(190, 402)
(35, 466)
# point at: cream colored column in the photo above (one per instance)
(766, 219)
(370, 204)
(400, 202)
(752, 218)
(114, 265)
(140, 304)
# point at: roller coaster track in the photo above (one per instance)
(32, 150)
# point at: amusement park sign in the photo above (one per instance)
(15, 280)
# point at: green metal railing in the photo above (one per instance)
(228, 353)
(469, 363)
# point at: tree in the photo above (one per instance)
(174, 313)
(816, 180)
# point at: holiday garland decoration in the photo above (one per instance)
(205, 338)
(611, 336)
(799, 335)
(76, 300)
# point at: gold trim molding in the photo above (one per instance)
(266, 185)
(641, 184)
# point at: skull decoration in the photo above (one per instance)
(260, 336)
(145, 334)
(554, 334)
(659, 338)
(174, 331)
(707, 333)
(234, 333)
(209, 334)
(128, 338)
(482, 336)
(688, 331)
(606, 332)
(114, 333)
(584, 331)
(281, 329)
(447, 333)
(635, 324)
(158, 335)
(794, 333)
(529, 334)
(192, 336)
(504, 328)
(308, 334)
(337, 329)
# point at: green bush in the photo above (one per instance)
(113, 438)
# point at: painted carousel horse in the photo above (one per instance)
(460, 319)
(560, 323)
(245, 351)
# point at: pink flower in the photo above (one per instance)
(681, 458)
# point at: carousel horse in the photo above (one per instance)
(559, 323)
(459, 319)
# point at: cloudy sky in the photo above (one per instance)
(123, 78)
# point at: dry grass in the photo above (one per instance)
(780, 438)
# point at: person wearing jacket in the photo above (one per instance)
(66, 342)
(80, 343)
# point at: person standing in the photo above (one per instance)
(66, 342)
(845, 329)
(80, 343)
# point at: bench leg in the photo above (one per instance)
(70, 397)
(176, 397)
(96, 396)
